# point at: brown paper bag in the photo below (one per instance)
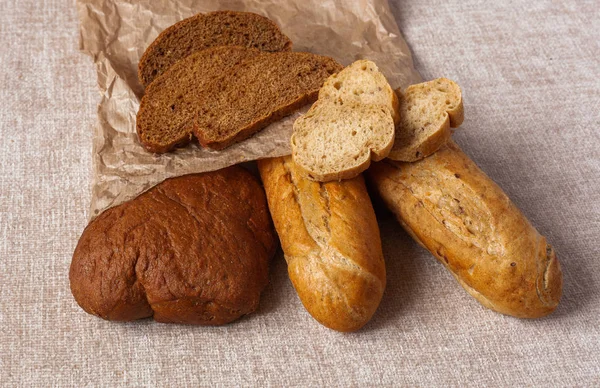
(115, 34)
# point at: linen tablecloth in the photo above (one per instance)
(529, 71)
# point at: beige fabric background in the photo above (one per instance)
(530, 75)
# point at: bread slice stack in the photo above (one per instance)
(165, 118)
(351, 124)
(205, 84)
(225, 94)
(213, 29)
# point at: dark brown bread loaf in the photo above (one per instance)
(193, 249)
(221, 28)
(257, 92)
(165, 118)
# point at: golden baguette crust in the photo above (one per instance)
(467, 222)
(331, 243)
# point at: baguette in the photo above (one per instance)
(330, 240)
(448, 205)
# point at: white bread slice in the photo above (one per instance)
(362, 82)
(335, 142)
(351, 123)
(427, 112)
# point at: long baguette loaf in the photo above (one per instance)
(331, 243)
(467, 222)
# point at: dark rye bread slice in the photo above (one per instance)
(199, 32)
(256, 93)
(165, 117)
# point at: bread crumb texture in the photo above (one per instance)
(351, 124)
(202, 31)
(428, 111)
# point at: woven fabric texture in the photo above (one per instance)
(530, 76)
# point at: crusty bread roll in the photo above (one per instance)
(193, 249)
(331, 243)
(467, 222)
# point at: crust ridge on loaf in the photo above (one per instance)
(202, 31)
(427, 112)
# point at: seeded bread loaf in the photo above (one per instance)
(467, 222)
(194, 249)
(166, 114)
(331, 243)
(257, 92)
(351, 123)
(199, 32)
(427, 112)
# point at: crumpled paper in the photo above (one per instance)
(115, 34)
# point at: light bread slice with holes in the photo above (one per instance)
(335, 142)
(361, 82)
(351, 124)
(428, 111)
